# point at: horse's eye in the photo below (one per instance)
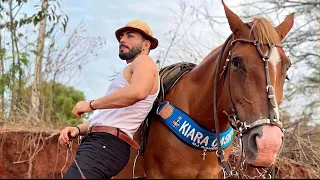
(236, 61)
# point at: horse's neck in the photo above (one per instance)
(201, 96)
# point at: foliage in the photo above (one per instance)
(64, 101)
(18, 51)
(58, 101)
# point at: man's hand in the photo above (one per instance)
(66, 134)
(80, 108)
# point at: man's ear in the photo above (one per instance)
(147, 44)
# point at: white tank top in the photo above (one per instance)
(127, 119)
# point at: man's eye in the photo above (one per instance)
(130, 36)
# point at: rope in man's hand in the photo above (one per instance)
(74, 159)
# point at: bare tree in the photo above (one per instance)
(35, 96)
(2, 87)
(196, 33)
(52, 63)
(67, 60)
(1, 73)
(200, 28)
(15, 55)
(303, 47)
(15, 52)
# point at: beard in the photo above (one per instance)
(133, 52)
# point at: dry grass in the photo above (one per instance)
(21, 121)
(22, 126)
(302, 144)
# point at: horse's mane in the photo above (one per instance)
(265, 31)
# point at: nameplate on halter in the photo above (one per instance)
(190, 132)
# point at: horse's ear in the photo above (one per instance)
(234, 21)
(283, 28)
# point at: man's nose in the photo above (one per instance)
(122, 39)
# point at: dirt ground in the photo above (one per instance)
(33, 155)
(25, 154)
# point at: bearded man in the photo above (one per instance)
(105, 149)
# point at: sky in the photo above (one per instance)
(103, 18)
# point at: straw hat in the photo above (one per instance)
(140, 27)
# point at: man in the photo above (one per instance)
(105, 150)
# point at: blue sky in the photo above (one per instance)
(102, 18)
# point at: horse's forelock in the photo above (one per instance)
(265, 31)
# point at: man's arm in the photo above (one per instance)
(71, 132)
(141, 84)
(84, 128)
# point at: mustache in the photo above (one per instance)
(122, 45)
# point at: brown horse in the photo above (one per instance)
(239, 84)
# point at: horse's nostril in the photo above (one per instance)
(253, 143)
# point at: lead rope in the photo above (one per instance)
(74, 159)
(220, 153)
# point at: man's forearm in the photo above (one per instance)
(124, 97)
(84, 128)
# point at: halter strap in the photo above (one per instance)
(219, 151)
(273, 112)
(238, 125)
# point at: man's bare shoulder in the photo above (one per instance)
(145, 61)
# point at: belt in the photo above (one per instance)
(116, 132)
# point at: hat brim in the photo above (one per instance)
(154, 41)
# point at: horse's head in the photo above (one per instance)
(253, 84)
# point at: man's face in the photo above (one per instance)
(130, 45)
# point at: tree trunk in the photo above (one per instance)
(13, 79)
(17, 97)
(35, 96)
(2, 114)
(53, 102)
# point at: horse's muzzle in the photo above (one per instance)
(262, 144)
